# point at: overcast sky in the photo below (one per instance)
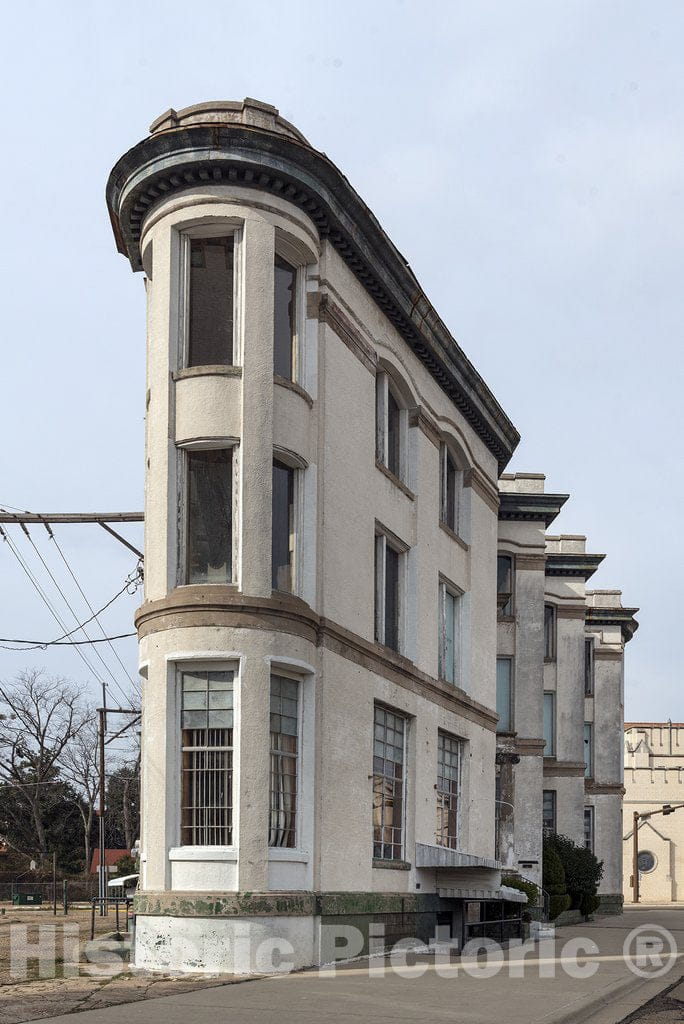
(525, 157)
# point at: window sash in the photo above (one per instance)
(549, 632)
(504, 583)
(283, 527)
(208, 516)
(389, 779)
(388, 593)
(210, 299)
(589, 828)
(588, 667)
(504, 701)
(284, 761)
(284, 319)
(549, 810)
(549, 724)
(389, 426)
(588, 750)
(449, 476)
(449, 637)
(449, 756)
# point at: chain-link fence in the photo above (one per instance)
(75, 890)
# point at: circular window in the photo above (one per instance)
(646, 861)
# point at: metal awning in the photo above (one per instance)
(504, 892)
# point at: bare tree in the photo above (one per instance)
(40, 716)
(80, 765)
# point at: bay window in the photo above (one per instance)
(449, 635)
(504, 694)
(389, 761)
(284, 319)
(389, 565)
(284, 731)
(283, 527)
(549, 715)
(390, 425)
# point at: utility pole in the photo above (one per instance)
(637, 817)
(102, 873)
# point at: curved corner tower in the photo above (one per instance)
(302, 400)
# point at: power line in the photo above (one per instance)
(90, 607)
(73, 613)
(41, 645)
(61, 643)
(46, 601)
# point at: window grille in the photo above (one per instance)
(207, 758)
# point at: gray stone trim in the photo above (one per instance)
(542, 508)
(564, 563)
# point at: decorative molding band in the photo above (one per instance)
(624, 617)
(566, 563)
(292, 385)
(536, 507)
(225, 904)
(213, 605)
(530, 563)
(212, 155)
(418, 417)
(527, 747)
(603, 788)
(339, 323)
(569, 611)
(206, 371)
(603, 654)
(562, 769)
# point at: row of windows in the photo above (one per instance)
(505, 601)
(391, 442)
(207, 745)
(549, 818)
(504, 709)
(210, 304)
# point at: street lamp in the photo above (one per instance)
(665, 809)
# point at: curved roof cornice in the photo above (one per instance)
(185, 155)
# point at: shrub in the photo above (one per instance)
(554, 882)
(583, 872)
(522, 885)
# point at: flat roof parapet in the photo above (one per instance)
(567, 543)
(522, 483)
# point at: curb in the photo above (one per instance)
(589, 1009)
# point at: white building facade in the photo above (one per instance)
(560, 691)
(318, 633)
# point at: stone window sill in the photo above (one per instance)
(203, 853)
(454, 536)
(280, 853)
(395, 479)
(391, 865)
(217, 370)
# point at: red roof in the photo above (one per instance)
(112, 857)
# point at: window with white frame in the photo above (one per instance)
(549, 810)
(504, 584)
(588, 666)
(549, 724)
(208, 513)
(549, 632)
(390, 425)
(389, 780)
(588, 750)
(504, 694)
(206, 758)
(210, 299)
(389, 567)
(447, 791)
(450, 489)
(284, 761)
(283, 526)
(589, 828)
(449, 634)
(285, 319)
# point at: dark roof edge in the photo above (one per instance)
(567, 563)
(178, 159)
(534, 507)
(623, 617)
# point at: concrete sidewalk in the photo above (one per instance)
(537, 990)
